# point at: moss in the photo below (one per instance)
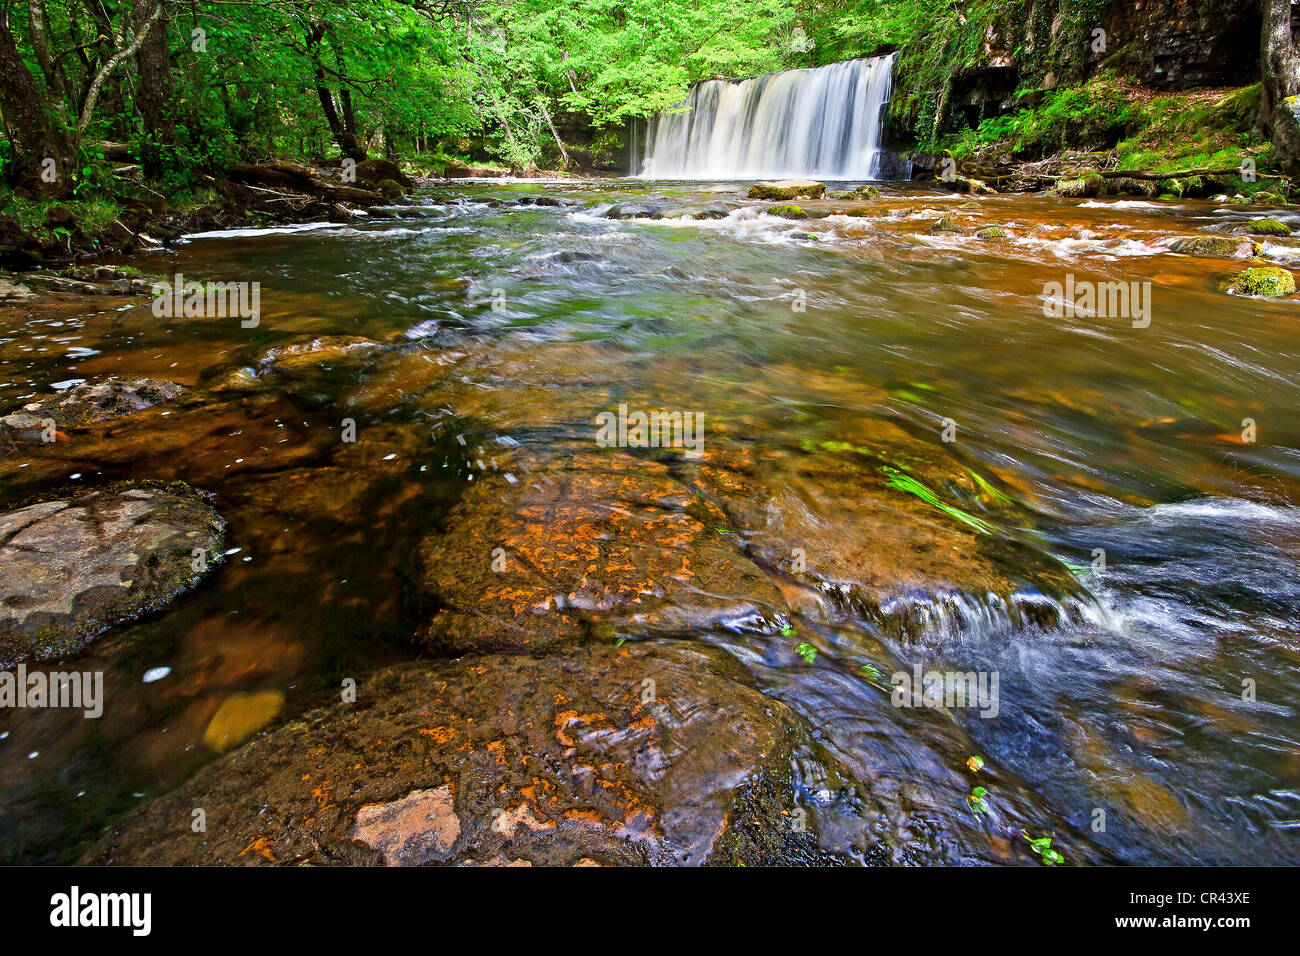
(787, 211)
(1266, 281)
(1267, 227)
(991, 232)
(792, 189)
(943, 224)
(1216, 246)
(869, 192)
(1089, 184)
(91, 215)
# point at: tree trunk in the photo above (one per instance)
(1280, 70)
(155, 96)
(564, 153)
(42, 160)
(343, 129)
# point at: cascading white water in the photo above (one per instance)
(822, 122)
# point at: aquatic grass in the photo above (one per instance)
(989, 489)
(896, 479)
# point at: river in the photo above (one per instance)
(899, 393)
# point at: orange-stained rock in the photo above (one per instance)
(588, 543)
(418, 828)
(643, 754)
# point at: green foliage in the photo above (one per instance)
(1043, 847)
(92, 214)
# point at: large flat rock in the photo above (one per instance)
(642, 754)
(588, 544)
(72, 567)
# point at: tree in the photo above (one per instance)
(44, 135)
(153, 64)
(1280, 73)
(42, 157)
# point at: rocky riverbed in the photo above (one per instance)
(368, 585)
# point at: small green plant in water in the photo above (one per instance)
(976, 764)
(1043, 847)
(875, 677)
(807, 652)
(896, 479)
(975, 800)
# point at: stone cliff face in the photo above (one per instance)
(1165, 44)
(1181, 43)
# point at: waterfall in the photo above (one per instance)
(823, 123)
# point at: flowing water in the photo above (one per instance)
(823, 122)
(817, 348)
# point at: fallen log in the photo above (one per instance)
(301, 179)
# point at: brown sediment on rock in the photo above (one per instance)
(641, 754)
(582, 544)
(72, 567)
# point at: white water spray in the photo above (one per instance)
(822, 123)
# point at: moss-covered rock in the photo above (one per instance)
(1236, 248)
(1089, 184)
(991, 232)
(1266, 227)
(943, 224)
(1264, 281)
(788, 189)
(868, 192)
(787, 211)
(1134, 187)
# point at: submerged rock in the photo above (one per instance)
(585, 545)
(633, 210)
(788, 189)
(70, 568)
(991, 232)
(84, 405)
(909, 549)
(641, 754)
(1217, 246)
(240, 716)
(1265, 281)
(298, 357)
